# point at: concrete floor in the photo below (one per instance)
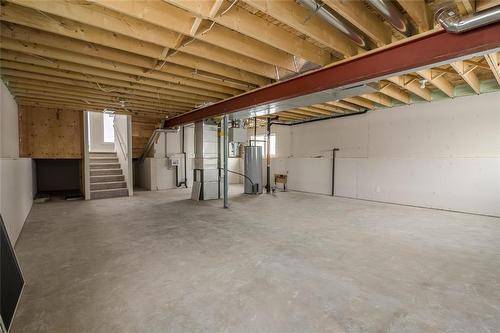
(293, 262)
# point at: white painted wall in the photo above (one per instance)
(16, 174)
(96, 141)
(444, 154)
(9, 128)
(156, 174)
(123, 148)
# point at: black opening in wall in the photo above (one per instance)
(58, 177)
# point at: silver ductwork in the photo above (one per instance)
(392, 15)
(345, 28)
(449, 18)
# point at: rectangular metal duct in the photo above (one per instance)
(328, 95)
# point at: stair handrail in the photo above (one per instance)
(152, 140)
(120, 141)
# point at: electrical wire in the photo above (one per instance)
(229, 8)
(240, 174)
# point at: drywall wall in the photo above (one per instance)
(9, 131)
(50, 132)
(96, 135)
(156, 173)
(444, 154)
(123, 148)
(16, 174)
(16, 193)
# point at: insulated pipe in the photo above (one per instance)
(392, 15)
(451, 21)
(334, 21)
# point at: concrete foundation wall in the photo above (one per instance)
(16, 174)
(444, 154)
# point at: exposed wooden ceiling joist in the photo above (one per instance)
(467, 73)
(90, 100)
(356, 13)
(94, 94)
(210, 87)
(378, 98)
(419, 12)
(94, 71)
(226, 75)
(105, 27)
(181, 55)
(240, 20)
(31, 72)
(493, 60)
(411, 84)
(299, 18)
(438, 80)
(172, 18)
(391, 90)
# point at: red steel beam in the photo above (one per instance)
(417, 52)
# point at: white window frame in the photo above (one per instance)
(111, 135)
(263, 137)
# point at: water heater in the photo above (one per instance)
(253, 169)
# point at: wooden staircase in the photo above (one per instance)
(106, 176)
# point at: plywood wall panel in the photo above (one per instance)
(50, 133)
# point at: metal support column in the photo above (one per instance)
(268, 157)
(334, 153)
(226, 146)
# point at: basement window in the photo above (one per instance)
(261, 142)
(108, 129)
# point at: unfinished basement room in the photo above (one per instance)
(234, 166)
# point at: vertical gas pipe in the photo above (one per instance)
(333, 170)
(226, 144)
(255, 131)
(185, 156)
(268, 157)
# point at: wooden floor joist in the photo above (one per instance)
(208, 55)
